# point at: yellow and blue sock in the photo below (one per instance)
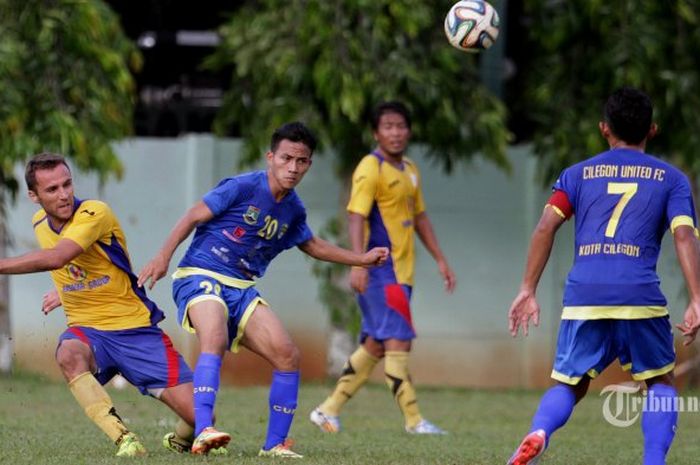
(399, 381)
(207, 374)
(357, 370)
(554, 411)
(659, 420)
(97, 405)
(284, 392)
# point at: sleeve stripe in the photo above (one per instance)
(556, 210)
(683, 220)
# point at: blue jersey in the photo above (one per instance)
(623, 201)
(249, 228)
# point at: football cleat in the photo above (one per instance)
(208, 440)
(282, 451)
(130, 446)
(175, 443)
(425, 427)
(530, 450)
(326, 423)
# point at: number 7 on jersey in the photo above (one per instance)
(627, 189)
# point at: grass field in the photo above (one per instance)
(40, 423)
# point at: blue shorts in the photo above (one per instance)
(238, 303)
(386, 312)
(144, 356)
(587, 347)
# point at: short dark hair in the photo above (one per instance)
(293, 132)
(392, 106)
(628, 112)
(42, 161)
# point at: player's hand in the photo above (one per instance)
(448, 275)
(358, 279)
(375, 257)
(154, 270)
(691, 323)
(50, 302)
(523, 308)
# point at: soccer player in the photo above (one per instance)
(112, 325)
(242, 225)
(624, 200)
(387, 202)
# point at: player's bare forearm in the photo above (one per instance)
(688, 253)
(324, 250)
(540, 248)
(42, 260)
(158, 266)
(424, 229)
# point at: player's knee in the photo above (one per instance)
(288, 357)
(72, 360)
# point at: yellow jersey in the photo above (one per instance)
(389, 197)
(98, 287)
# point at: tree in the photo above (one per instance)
(584, 49)
(327, 62)
(66, 88)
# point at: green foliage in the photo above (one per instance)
(328, 62)
(584, 49)
(66, 83)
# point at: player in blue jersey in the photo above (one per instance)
(623, 201)
(241, 225)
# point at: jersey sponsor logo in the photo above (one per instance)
(235, 235)
(251, 215)
(393, 183)
(75, 272)
(203, 389)
(283, 230)
(222, 253)
(283, 409)
(88, 212)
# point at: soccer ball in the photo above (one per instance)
(472, 25)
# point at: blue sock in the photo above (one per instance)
(659, 420)
(206, 384)
(283, 403)
(555, 408)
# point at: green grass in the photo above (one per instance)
(40, 423)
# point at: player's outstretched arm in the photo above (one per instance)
(525, 306)
(158, 266)
(51, 301)
(424, 229)
(42, 260)
(687, 250)
(324, 250)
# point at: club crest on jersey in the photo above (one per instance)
(75, 272)
(251, 215)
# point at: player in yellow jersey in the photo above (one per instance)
(112, 325)
(386, 208)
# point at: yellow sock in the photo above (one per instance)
(97, 405)
(355, 374)
(399, 381)
(184, 431)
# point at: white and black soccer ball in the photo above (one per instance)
(472, 25)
